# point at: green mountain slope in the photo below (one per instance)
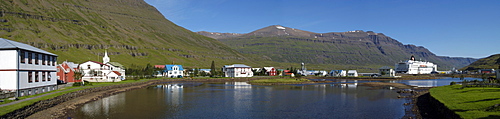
(132, 31)
(491, 62)
(358, 48)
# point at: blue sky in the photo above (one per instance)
(456, 28)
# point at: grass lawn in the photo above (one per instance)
(7, 109)
(469, 103)
(285, 80)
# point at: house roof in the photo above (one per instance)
(70, 64)
(169, 67)
(207, 70)
(269, 68)
(116, 64)
(95, 62)
(9, 44)
(160, 66)
(385, 67)
(352, 71)
(237, 65)
(116, 72)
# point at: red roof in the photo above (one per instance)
(117, 73)
(160, 66)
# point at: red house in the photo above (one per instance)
(271, 71)
(66, 72)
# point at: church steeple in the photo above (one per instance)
(105, 59)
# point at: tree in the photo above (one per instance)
(212, 69)
(78, 74)
(196, 72)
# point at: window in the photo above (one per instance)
(43, 60)
(48, 76)
(49, 60)
(30, 56)
(44, 78)
(88, 66)
(36, 76)
(54, 62)
(30, 77)
(36, 58)
(22, 59)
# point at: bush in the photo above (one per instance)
(87, 83)
(77, 84)
(453, 83)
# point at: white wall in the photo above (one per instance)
(8, 59)
(7, 80)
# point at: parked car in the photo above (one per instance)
(60, 82)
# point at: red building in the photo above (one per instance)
(66, 72)
(271, 71)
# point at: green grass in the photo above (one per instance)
(285, 80)
(7, 109)
(469, 102)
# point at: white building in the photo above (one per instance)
(173, 71)
(25, 69)
(237, 70)
(352, 73)
(338, 73)
(386, 71)
(415, 67)
(102, 72)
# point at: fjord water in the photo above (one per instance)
(241, 100)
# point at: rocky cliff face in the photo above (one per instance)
(131, 30)
(284, 44)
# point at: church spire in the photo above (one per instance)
(105, 59)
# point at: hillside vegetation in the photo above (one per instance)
(360, 48)
(491, 62)
(132, 31)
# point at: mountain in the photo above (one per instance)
(491, 62)
(132, 31)
(360, 48)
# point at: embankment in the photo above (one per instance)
(430, 108)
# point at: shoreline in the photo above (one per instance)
(62, 108)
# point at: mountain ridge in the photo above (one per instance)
(345, 48)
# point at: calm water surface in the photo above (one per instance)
(241, 100)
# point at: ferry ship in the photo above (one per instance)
(415, 67)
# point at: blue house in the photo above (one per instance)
(173, 71)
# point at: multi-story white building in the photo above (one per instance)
(415, 67)
(237, 70)
(26, 69)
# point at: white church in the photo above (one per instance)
(102, 72)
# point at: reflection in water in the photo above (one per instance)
(173, 93)
(241, 100)
(104, 106)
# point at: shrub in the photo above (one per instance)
(453, 83)
(87, 83)
(77, 84)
